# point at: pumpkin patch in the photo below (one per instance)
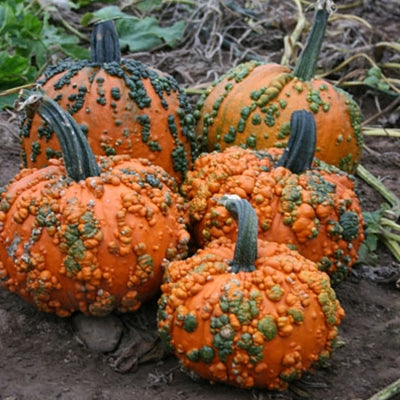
(97, 253)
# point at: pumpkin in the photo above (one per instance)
(251, 105)
(84, 234)
(251, 313)
(122, 105)
(313, 208)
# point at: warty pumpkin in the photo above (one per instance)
(88, 234)
(251, 313)
(252, 103)
(122, 105)
(313, 208)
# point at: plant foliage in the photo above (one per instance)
(27, 41)
(30, 37)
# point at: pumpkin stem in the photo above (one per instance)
(245, 253)
(299, 153)
(307, 62)
(79, 160)
(104, 43)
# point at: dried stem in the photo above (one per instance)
(375, 183)
(388, 392)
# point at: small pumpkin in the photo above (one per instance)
(122, 105)
(251, 313)
(251, 105)
(313, 208)
(84, 234)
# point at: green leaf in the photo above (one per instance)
(55, 39)
(145, 34)
(137, 34)
(367, 252)
(147, 5)
(84, 3)
(8, 101)
(105, 13)
(14, 71)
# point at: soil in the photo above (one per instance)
(42, 357)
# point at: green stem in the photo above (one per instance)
(307, 62)
(386, 222)
(299, 153)
(73, 30)
(104, 43)
(245, 253)
(393, 246)
(375, 183)
(387, 132)
(186, 2)
(194, 91)
(388, 392)
(79, 160)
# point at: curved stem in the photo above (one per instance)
(291, 40)
(245, 253)
(387, 132)
(70, 28)
(307, 62)
(104, 43)
(376, 184)
(299, 153)
(79, 160)
(388, 392)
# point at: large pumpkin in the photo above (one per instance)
(250, 314)
(251, 106)
(89, 238)
(123, 106)
(312, 208)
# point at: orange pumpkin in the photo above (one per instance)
(123, 106)
(314, 209)
(251, 106)
(85, 237)
(250, 314)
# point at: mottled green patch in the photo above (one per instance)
(290, 376)
(251, 141)
(190, 323)
(50, 153)
(284, 131)
(256, 119)
(297, 315)
(275, 293)
(35, 150)
(267, 327)
(231, 135)
(180, 159)
(207, 354)
(193, 355)
(349, 221)
(254, 351)
(108, 150)
(115, 93)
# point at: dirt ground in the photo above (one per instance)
(41, 357)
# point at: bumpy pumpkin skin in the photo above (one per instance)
(250, 329)
(317, 213)
(124, 108)
(251, 106)
(94, 246)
